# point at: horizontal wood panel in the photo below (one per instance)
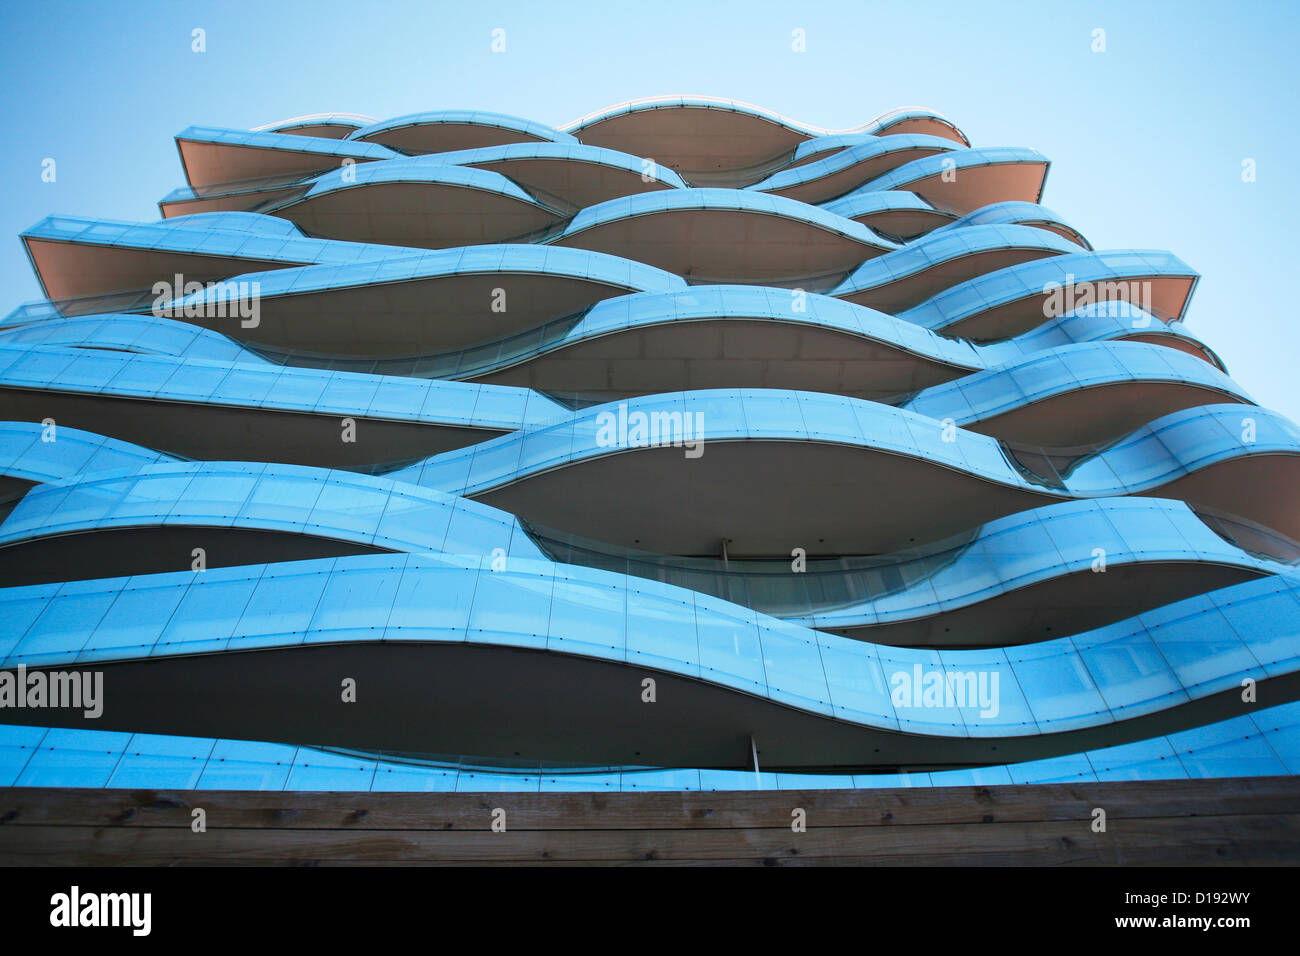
(1232, 821)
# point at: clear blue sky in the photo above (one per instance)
(1146, 139)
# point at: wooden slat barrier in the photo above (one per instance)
(1231, 821)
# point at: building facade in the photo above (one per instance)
(683, 447)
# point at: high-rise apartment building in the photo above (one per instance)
(683, 447)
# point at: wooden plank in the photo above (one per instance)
(1221, 838)
(1234, 821)
(676, 810)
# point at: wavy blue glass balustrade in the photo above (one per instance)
(759, 302)
(414, 306)
(649, 104)
(979, 397)
(33, 452)
(1015, 212)
(371, 511)
(640, 311)
(393, 265)
(198, 235)
(418, 170)
(1101, 321)
(828, 145)
(655, 103)
(343, 506)
(416, 264)
(1160, 378)
(566, 152)
(39, 310)
(1096, 275)
(904, 458)
(433, 118)
(544, 137)
(130, 332)
(729, 200)
(42, 324)
(731, 302)
(1183, 442)
(1014, 552)
(957, 160)
(409, 264)
(868, 597)
(730, 415)
(910, 114)
(820, 147)
(939, 249)
(1025, 549)
(249, 195)
(1262, 744)
(331, 151)
(418, 202)
(1158, 661)
(1130, 465)
(353, 120)
(273, 388)
(251, 222)
(713, 198)
(873, 209)
(852, 151)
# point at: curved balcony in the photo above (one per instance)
(1025, 578)
(33, 453)
(1252, 745)
(417, 204)
(93, 265)
(147, 517)
(569, 175)
(1023, 214)
(442, 131)
(819, 180)
(943, 259)
(714, 337)
(416, 304)
(319, 125)
(495, 651)
(898, 216)
(853, 477)
(715, 142)
(219, 411)
(710, 235)
(965, 180)
(1013, 300)
(212, 156)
